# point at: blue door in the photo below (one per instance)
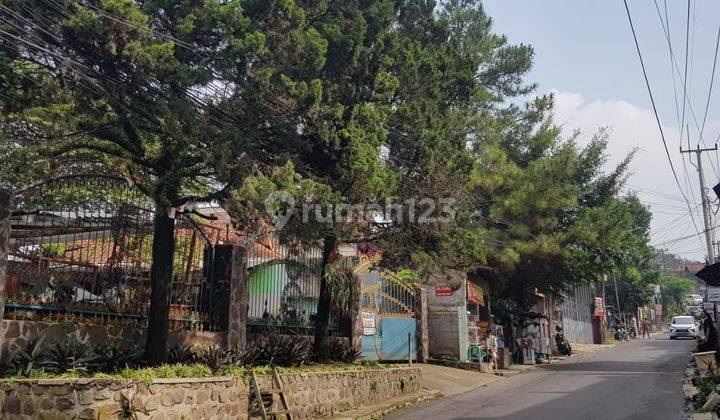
(388, 317)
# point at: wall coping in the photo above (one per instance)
(167, 381)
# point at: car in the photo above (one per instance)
(683, 326)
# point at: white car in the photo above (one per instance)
(683, 326)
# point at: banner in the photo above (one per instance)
(475, 293)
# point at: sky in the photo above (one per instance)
(585, 55)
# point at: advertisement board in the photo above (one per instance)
(599, 308)
(443, 290)
(713, 294)
(475, 294)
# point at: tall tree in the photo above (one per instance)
(139, 85)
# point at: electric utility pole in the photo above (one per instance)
(705, 202)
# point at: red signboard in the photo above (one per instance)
(443, 291)
(475, 294)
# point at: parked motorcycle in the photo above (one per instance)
(563, 346)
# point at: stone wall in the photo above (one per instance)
(192, 398)
(16, 331)
(317, 394)
(444, 333)
(309, 394)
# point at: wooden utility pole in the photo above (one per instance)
(705, 202)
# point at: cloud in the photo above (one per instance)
(633, 127)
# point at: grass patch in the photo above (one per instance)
(196, 370)
(705, 386)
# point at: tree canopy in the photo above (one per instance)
(363, 103)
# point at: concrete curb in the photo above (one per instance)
(377, 411)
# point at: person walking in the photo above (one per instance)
(492, 347)
(710, 341)
(645, 328)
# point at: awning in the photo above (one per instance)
(710, 274)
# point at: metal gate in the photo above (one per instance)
(388, 317)
(80, 250)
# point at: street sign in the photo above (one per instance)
(713, 294)
(443, 291)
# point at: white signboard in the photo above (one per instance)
(713, 294)
(368, 320)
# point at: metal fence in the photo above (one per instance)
(283, 287)
(80, 249)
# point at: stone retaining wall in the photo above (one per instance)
(16, 331)
(316, 394)
(192, 398)
(310, 395)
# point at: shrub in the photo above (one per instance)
(182, 354)
(281, 350)
(22, 360)
(215, 357)
(111, 358)
(71, 354)
(342, 353)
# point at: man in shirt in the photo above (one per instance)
(492, 347)
(710, 341)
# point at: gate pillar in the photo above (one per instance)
(356, 326)
(230, 303)
(421, 324)
(5, 212)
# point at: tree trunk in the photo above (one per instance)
(160, 282)
(322, 317)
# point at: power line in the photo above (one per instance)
(684, 83)
(652, 101)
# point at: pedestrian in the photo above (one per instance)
(633, 327)
(492, 348)
(710, 341)
(646, 328)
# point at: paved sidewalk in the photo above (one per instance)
(451, 381)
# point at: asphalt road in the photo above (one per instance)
(636, 380)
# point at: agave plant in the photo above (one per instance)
(281, 350)
(342, 353)
(182, 354)
(111, 358)
(70, 355)
(24, 359)
(215, 357)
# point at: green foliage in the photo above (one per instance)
(215, 357)
(342, 353)
(330, 102)
(182, 354)
(281, 350)
(112, 358)
(70, 355)
(674, 289)
(24, 360)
